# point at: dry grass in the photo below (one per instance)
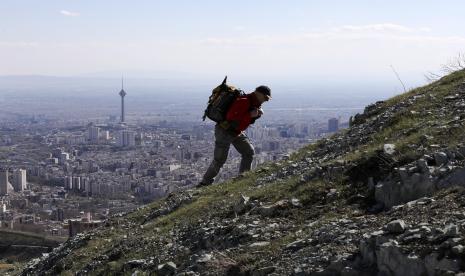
(6, 266)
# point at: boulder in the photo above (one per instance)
(391, 192)
(455, 178)
(422, 166)
(205, 258)
(166, 269)
(452, 230)
(440, 158)
(391, 261)
(271, 210)
(389, 149)
(435, 265)
(243, 205)
(458, 249)
(396, 226)
(297, 245)
(135, 264)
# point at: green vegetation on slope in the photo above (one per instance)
(414, 119)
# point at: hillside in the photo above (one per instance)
(18, 247)
(383, 196)
(10, 238)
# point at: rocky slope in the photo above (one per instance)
(383, 197)
(20, 246)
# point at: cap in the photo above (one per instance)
(265, 90)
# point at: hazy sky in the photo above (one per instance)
(261, 38)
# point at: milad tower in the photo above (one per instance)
(122, 93)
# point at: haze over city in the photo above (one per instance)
(329, 53)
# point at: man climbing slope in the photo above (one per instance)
(243, 112)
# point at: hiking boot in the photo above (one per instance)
(238, 177)
(201, 184)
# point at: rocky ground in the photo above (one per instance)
(383, 197)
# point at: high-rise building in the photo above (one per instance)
(5, 186)
(19, 180)
(64, 157)
(126, 138)
(94, 134)
(2, 207)
(139, 139)
(68, 182)
(122, 94)
(105, 135)
(56, 153)
(272, 146)
(333, 125)
(76, 183)
(60, 214)
(84, 184)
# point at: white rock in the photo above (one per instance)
(205, 258)
(389, 148)
(259, 244)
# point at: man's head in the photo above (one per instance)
(263, 93)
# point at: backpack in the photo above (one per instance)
(220, 101)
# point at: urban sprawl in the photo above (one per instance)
(59, 179)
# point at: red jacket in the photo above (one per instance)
(239, 113)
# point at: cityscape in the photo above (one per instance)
(59, 178)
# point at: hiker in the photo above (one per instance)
(243, 111)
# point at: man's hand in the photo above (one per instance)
(255, 113)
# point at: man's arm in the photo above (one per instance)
(255, 114)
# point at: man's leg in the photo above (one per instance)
(245, 148)
(222, 144)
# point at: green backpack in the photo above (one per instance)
(220, 101)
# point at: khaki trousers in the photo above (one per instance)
(223, 141)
